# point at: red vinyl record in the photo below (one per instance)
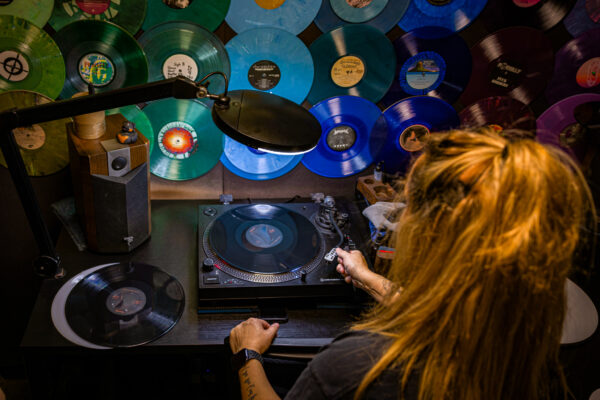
(500, 113)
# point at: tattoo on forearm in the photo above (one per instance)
(249, 384)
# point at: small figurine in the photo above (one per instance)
(128, 133)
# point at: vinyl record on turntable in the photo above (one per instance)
(100, 53)
(369, 13)
(129, 14)
(206, 13)
(406, 127)
(186, 49)
(576, 68)
(454, 15)
(187, 143)
(35, 11)
(43, 147)
(438, 67)
(500, 113)
(348, 61)
(124, 305)
(29, 58)
(293, 16)
(558, 127)
(515, 62)
(584, 16)
(538, 14)
(254, 164)
(271, 60)
(346, 146)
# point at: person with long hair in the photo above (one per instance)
(473, 304)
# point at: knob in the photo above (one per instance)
(208, 264)
(119, 163)
(303, 276)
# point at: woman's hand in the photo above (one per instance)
(254, 334)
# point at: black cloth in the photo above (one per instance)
(338, 368)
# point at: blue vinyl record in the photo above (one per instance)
(254, 164)
(346, 146)
(407, 126)
(358, 11)
(580, 20)
(385, 20)
(434, 67)
(291, 15)
(271, 60)
(454, 15)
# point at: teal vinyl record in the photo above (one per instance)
(255, 164)
(384, 20)
(271, 60)
(100, 53)
(187, 143)
(134, 114)
(37, 12)
(206, 13)
(356, 60)
(185, 49)
(293, 16)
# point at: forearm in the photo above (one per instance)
(380, 288)
(254, 382)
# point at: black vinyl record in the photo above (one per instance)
(438, 67)
(515, 62)
(124, 305)
(539, 14)
(499, 113)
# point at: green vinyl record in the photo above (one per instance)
(207, 13)
(43, 147)
(35, 11)
(100, 53)
(187, 143)
(134, 114)
(128, 14)
(29, 58)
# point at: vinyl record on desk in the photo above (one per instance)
(129, 14)
(355, 60)
(434, 67)
(500, 113)
(100, 53)
(584, 16)
(515, 62)
(346, 146)
(124, 305)
(186, 49)
(254, 164)
(29, 58)
(293, 16)
(576, 68)
(43, 147)
(35, 11)
(271, 60)
(327, 19)
(558, 127)
(407, 125)
(134, 114)
(538, 14)
(454, 15)
(206, 13)
(187, 143)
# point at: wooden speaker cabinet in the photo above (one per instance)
(112, 189)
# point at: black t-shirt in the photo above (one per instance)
(338, 368)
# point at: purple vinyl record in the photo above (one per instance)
(577, 67)
(583, 17)
(558, 127)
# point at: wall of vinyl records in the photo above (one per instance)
(379, 75)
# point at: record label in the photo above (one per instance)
(180, 65)
(126, 301)
(108, 11)
(15, 67)
(414, 137)
(525, 3)
(177, 140)
(178, 4)
(264, 75)
(347, 71)
(588, 75)
(341, 138)
(571, 135)
(93, 7)
(422, 73)
(269, 4)
(263, 236)
(97, 69)
(30, 138)
(506, 74)
(358, 11)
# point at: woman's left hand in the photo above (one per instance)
(254, 334)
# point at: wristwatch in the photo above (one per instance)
(239, 359)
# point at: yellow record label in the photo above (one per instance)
(269, 4)
(30, 138)
(347, 71)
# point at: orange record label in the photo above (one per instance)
(588, 75)
(347, 71)
(414, 137)
(358, 3)
(269, 4)
(30, 138)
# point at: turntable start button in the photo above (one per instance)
(211, 280)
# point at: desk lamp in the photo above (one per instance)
(256, 119)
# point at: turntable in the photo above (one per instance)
(275, 251)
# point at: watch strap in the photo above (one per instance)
(239, 359)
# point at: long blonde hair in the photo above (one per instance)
(482, 253)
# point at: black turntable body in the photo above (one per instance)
(276, 251)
